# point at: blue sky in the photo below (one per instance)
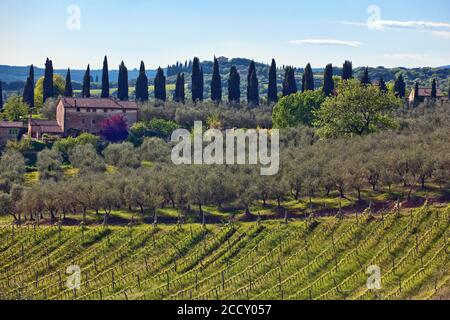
(405, 33)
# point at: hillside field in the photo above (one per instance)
(315, 258)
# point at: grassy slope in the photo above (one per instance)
(271, 260)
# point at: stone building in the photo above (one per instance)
(10, 131)
(82, 115)
(424, 95)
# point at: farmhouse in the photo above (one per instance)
(75, 116)
(425, 96)
(10, 130)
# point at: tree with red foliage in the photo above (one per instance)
(114, 129)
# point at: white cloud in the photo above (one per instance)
(327, 42)
(414, 25)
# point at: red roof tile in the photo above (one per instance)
(98, 103)
(426, 92)
(11, 124)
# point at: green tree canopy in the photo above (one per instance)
(297, 109)
(15, 109)
(356, 110)
(59, 85)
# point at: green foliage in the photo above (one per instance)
(142, 84)
(15, 109)
(59, 85)
(49, 165)
(328, 83)
(197, 81)
(308, 79)
(234, 86)
(155, 150)
(65, 146)
(297, 109)
(216, 83)
(160, 85)
(86, 158)
(68, 91)
(272, 91)
(356, 110)
(12, 169)
(154, 128)
(49, 109)
(122, 91)
(122, 155)
(86, 91)
(289, 84)
(252, 85)
(105, 79)
(28, 91)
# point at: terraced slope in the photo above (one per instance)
(326, 258)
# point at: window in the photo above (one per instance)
(88, 109)
(94, 110)
(78, 110)
(13, 131)
(105, 110)
(124, 111)
(93, 121)
(83, 121)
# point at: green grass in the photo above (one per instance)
(327, 259)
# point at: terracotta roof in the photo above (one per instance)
(46, 126)
(11, 124)
(109, 103)
(426, 92)
(51, 129)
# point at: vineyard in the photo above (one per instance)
(314, 259)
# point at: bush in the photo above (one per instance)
(297, 109)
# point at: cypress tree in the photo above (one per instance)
(272, 95)
(289, 85)
(400, 87)
(303, 81)
(179, 95)
(216, 83)
(347, 70)
(309, 78)
(28, 91)
(234, 86)
(142, 84)
(197, 83)
(160, 85)
(382, 85)
(328, 82)
(433, 90)
(122, 91)
(365, 79)
(48, 91)
(416, 94)
(202, 84)
(105, 79)
(1, 96)
(86, 93)
(252, 85)
(68, 92)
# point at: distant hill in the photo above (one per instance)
(12, 73)
(14, 77)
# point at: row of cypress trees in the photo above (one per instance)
(289, 85)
